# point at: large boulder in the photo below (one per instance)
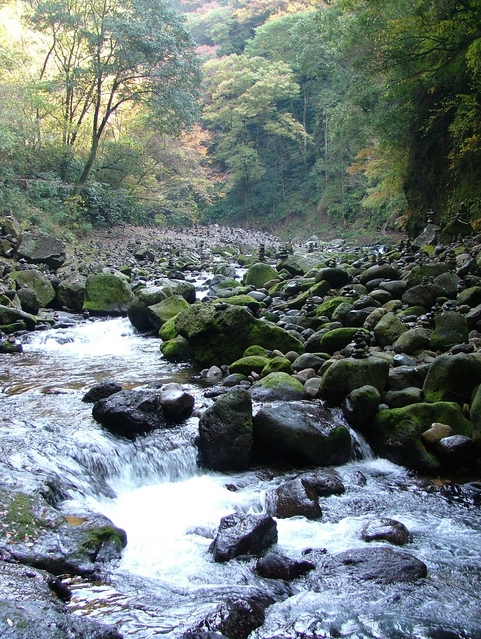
(220, 333)
(278, 386)
(397, 433)
(130, 412)
(10, 315)
(225, 433)
(452, 378)
(345, 375)
(300, 434)
(42, 249)
(389, 329)
(71, 293)
(241, 534)
(37, 282)
(450, 328)
(158, 314)
(138, 312)
(107, 293)
(386, 529)
(259, 274)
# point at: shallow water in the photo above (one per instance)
(167, 581)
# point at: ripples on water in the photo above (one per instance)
(153, 489)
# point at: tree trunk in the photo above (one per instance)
(88, 165)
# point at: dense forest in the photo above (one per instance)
(335, 117)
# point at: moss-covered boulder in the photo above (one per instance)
(168, 308)
(249, 364)
(226, 433)
(37, 282)
(10, 315)
(277, 386)
(221, 335)
(167, 330)
(138, 311)
(177, 349)
(335, 340)
(345, 375)
(245, 300)
(328, 306)
(419, 272)
(396, 434)
(388, 329)
(412, 340)
(450, 328)
(260, 273)
(452, 378)
(360, 406)
(277, 364)
(71, 293)
(301, 434)
(107, 293)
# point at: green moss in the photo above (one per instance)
(255, 349)
(18, 520)
(99, 535)
(277, 365)
(328, 306)
(245, 365)
(168, 330)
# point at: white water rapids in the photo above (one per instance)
(170, 509)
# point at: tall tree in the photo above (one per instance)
(104, 55)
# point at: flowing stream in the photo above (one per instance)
(167, 581)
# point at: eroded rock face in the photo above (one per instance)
(243, 535)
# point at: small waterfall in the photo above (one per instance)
(360, 449)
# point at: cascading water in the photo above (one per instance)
(152, 487)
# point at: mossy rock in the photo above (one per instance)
(245, 300)
(450, 328)
(166, 309)
(220, 336)
(328, 306)
(413, 310)
(345, 375)
(277, 386)
(260, 273)
(277, 365)
(177, 349)
(138, 311)
(396, 433)
(107, 293)
(419, 272)
(247, 365)
(453, 377)
(255, 349)
(10, 315)
(388, 329)
(167, 330)
(337, 339)
(37, 282)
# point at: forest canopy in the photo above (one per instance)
(331, 116)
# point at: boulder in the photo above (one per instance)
(277, 386)
(336, 276)
(406, 376)
(452, 378)
(235, 618)
(308, 360)
(333, 341)
(158, 314)
(450, 328)
(360, 406)
(404, 397)
(388, 329)
(277, 566)
(241, 534)
(293, 498)
(277, 364)
(10, 315)
(130, 412)
(345, 375)
(325, 482)
(436, 433)
(100, 391)
(260, 273)
(250, 363)
(379, 271)
(177, 349)
(107, 293)
(37, 282)
(380, 565)
(457, 453)
(138, 310)
(396, 433)
(221, 335)
(412, 340)
(417, 273)
(42, 249)
(226, 433)
(177, 403)
(421, 295)
(28, 300)
(300, 434)
(71, 293)
(386, 529)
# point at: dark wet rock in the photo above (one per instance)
(381, 565)
(29, 300)
(100, 391)
(241, 534)
(450, 328)
(177, 403)
(301, 434)
(360, 406)
(42, 249)
(453, 377)
(324, 482)
(225, 433)
(235, 618)
(293, 498)
(396, 288)
(37, 535)
(402, 377)
(29, 609)
(71, 293)
(457, 452)
(202, 634)
(308, 360)
(379, 271)
(277, 566)
(335, 276)
(130, 412)
(405, 397)
(345, 375)
(386, 529)
(421, 295)
(396, 433)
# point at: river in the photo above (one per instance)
(152, 487)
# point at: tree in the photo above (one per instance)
(103, 56)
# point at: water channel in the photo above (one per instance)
(152, 487)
